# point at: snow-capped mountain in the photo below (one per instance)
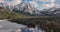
(6, 6)
(26, 8)
(2, 4)
(29, 9)
(56, 11)
(21, 7)
(52, 11)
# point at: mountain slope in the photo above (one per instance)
(53, 11)
(26, 8)
(5, 14)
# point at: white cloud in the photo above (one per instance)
(48, 5)
(33, 3)
(1, 1)
(44, 0)
(16, 2)
(52, 1)
(52, 4)
(13, 2)
(48, 0)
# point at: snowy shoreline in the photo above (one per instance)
(7, 26)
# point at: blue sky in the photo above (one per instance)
(39, 4)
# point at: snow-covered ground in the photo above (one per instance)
(7, 26)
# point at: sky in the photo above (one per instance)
(39, 4)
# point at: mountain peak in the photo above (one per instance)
(27, 8)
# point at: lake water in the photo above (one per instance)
(7, 26)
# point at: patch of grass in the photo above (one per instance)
(5, 14)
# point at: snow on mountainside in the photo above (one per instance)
(5, 5)
(54, 11)
(28, 8)
(21, 7)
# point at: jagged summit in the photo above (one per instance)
(27, 8)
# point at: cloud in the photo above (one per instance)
(44, 0)
(52, 4)
(48, 5)
(11, 2)
(52, 1)
(33, 3)
(48, 0)
(16, 2)
(1, 1)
